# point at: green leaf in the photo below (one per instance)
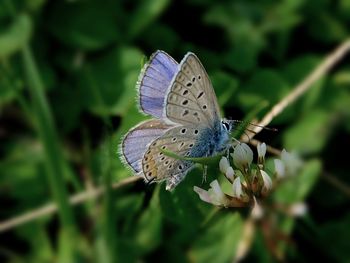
(11, 83)
(41, 247)
(241, 58)
(310, 133)
(147, 11)
(342, 78)
(107, 86)
(22, 167)
(87, 25)
(35, 5)
(265, 85)
(55, 163)
(67, 241)
(333, 30)
(225, 86)
(295, 72)
(16, 36)
(183, 205)
(148, 228)
(161, 35)
(336, 233)
(67, 108)
(295, 189)
(218, 242)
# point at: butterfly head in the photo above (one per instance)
(227, 125)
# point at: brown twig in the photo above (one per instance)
(341, 186)
(323, 68)
(51, 208)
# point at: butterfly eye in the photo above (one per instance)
(226, 126)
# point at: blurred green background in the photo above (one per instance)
(67, 94)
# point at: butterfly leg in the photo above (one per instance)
(150, 181)
(228, 152)
(173, 181)
(205, 172)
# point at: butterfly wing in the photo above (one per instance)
(136, 141)
(191, 98)
(158, 167)
(154, 81)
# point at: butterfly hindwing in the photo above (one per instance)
(135, 142)
(154, 81)
(157, 166)
(191, 98)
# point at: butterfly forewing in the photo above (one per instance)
(191, 98)
(154, 81)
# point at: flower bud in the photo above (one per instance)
(224, 165)
(237, 188)
(267, 180)
(261, 150)
(230, 173)
(280, 168)
(242, 157)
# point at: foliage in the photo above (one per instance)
(67, 75)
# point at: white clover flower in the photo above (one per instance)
(267, 180)
(203, 194)
(237, 188)
(288, 165)
(224, 165)
(280, 168)
(261, 148)
(257, 211)
(291, 161)
(297, 209)
(214, 195)
(230, 173)
(242, 156)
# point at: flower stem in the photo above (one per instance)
(46, 129)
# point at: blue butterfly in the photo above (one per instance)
(187, 120)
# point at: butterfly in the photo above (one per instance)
(186, 120)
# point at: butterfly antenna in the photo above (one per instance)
(257, 125)
(248, 134)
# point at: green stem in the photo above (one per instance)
(49, 138)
